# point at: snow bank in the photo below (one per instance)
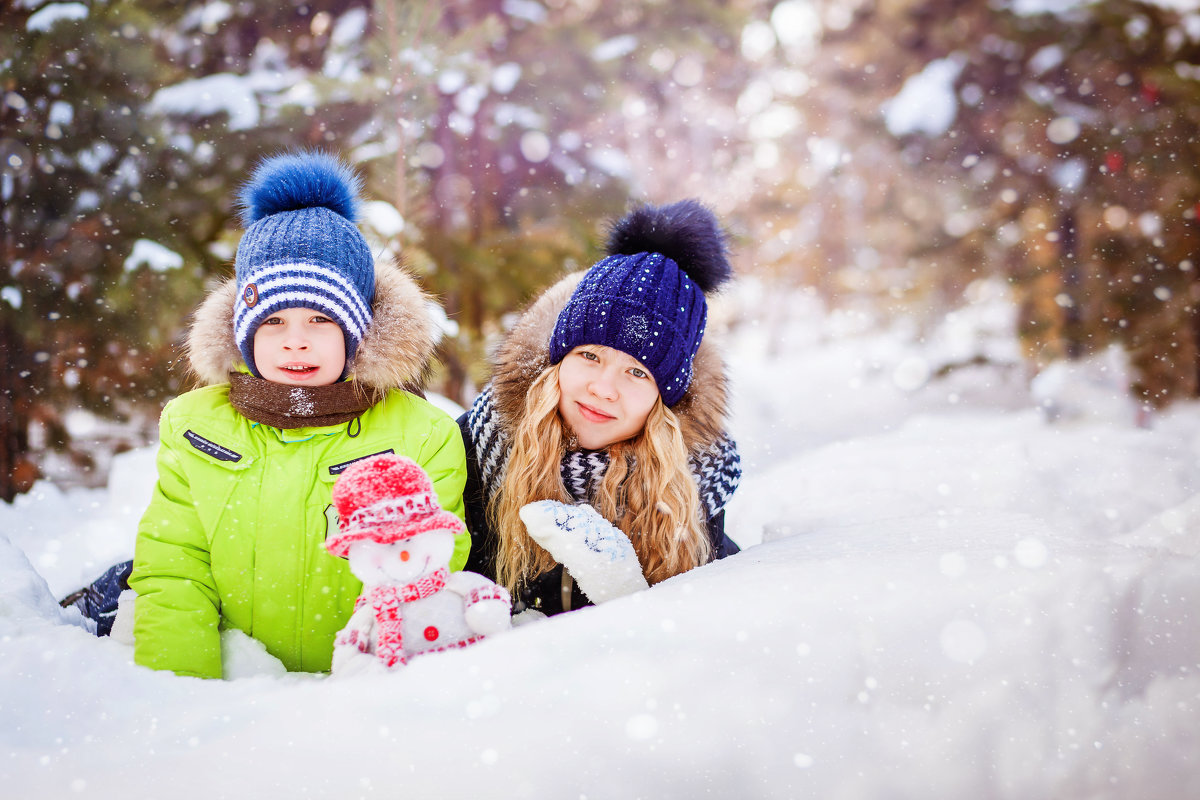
(953, 597)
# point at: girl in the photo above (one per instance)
(605, 394)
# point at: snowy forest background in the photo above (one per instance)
(886, 157)
(963, 346)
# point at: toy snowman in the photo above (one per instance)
(399, 541)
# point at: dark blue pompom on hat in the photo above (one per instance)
(647, 298)
(296, 181)
(685, 232)
(302, 249)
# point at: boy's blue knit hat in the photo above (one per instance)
(646, 298)
(302, 249)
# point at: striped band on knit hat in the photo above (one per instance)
(302, 249)
(647, 297)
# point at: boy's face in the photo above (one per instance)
(300, 347)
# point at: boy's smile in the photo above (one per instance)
(605, 395)
(300, 347)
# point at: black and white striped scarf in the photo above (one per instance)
(717, 469)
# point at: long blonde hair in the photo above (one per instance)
(659, 509)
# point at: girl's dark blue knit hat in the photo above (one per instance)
(302, 249)
(647, 298)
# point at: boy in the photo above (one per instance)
(304, 353)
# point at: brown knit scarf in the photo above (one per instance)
(283, 406)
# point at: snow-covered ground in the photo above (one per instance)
(942, 595)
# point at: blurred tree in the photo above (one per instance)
(496, 131)
(118, 172)
(84, 325)
(514, 118)
(1069, 164)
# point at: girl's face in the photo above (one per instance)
(606, 395)
(300, 347)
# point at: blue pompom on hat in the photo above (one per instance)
(302, 249)
(647, 298)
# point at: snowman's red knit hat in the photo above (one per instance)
(386, 498)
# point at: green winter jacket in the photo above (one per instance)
(234, 534)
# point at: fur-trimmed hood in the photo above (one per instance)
(525, 353)
(394, 353)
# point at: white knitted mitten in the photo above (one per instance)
(598, 555)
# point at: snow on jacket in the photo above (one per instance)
(522, 356)
(234, 534)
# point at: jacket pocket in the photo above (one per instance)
(329, 471)
(213, 451)
(332, 469)
(216, 468)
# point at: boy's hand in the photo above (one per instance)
(348, 660)
(598, 555)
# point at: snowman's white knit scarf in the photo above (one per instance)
(717, 469)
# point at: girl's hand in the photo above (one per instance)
(598, 555)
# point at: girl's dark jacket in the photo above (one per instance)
(522, 356)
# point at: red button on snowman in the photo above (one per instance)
(399, 541)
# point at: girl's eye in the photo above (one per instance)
(272, 321)
(589, 355)
(637, 373)
(320, 318)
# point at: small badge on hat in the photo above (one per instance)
(250, 295)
